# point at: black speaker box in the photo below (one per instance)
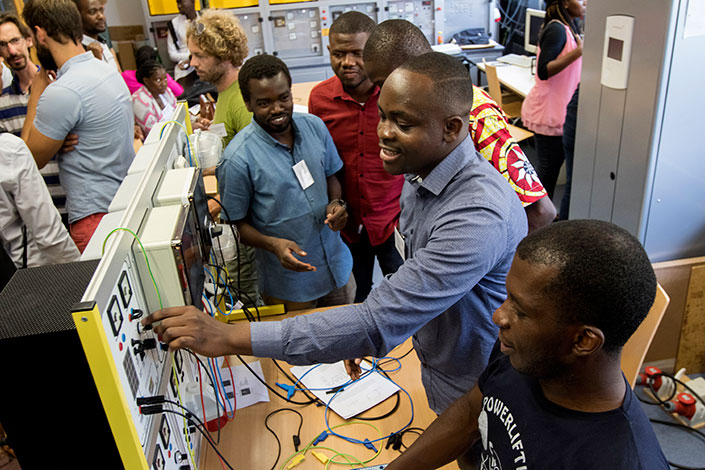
(49, 404)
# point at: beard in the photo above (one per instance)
(46, 60)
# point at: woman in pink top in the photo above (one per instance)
(558, 70)
(142, 55)
(153, 101)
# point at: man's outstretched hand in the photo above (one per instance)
(189, 327)
(352, 367)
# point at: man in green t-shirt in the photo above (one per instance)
(218, 47)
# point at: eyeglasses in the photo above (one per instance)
(13, 42)
(200, 27)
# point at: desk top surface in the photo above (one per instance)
(518, 79)
(247, 444)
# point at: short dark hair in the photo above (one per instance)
(145, 53)
(604, 278)
(452, 86)
(395, 42)
(10, 18)
(60, 19)
(258, 67)
(146, 69)
(352, 22)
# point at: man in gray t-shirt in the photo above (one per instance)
(87, 97)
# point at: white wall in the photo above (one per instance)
(124, 12)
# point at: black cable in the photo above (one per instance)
(215, 391)
(270, 387)
(660, 401)
(279, 445)
(247, 313)
(235, 236)
(245, 309)
(417, 431)
(308, 395)
(239, 290)
(393, 359)
(389, 413)
(202, 431)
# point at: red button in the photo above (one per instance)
(120, 346)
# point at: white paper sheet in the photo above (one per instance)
(357, 397)
(248, 389)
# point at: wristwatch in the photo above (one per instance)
(340, 202)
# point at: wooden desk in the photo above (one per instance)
(518, 79)
(247, 444)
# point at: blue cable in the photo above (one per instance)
(188, 140)
(225, 284)
(222, 384)
(220, 378)
(227, 289)
(367, 442)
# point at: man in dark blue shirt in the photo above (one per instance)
(553, 395)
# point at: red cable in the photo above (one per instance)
(221, 392)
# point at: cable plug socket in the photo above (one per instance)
(369, 445)
(153, 400)
(321, 437)
(290, 390)
(151, 409)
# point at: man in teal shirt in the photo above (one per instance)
(278, 184)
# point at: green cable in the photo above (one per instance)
(149, 268)
(161, 305)
(357, 461)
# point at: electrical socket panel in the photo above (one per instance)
(147, 371)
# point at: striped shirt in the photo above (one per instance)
(13, 110)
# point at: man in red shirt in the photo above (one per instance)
(347, 103)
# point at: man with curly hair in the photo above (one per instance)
(218, 47)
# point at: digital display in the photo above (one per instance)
(615, 48)
(535, 25)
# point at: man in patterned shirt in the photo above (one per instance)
(392, 43)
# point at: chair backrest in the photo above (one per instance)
(495, 89)
(636, 347)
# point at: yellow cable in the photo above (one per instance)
(348, 457)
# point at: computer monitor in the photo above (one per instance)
(534, 21)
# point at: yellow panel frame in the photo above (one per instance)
(166, 7)
(233, 3)
(105, 374)
(285, 2)
(265, 311)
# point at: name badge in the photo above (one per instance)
(302, 174)
(399, 244)
(219, 129)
